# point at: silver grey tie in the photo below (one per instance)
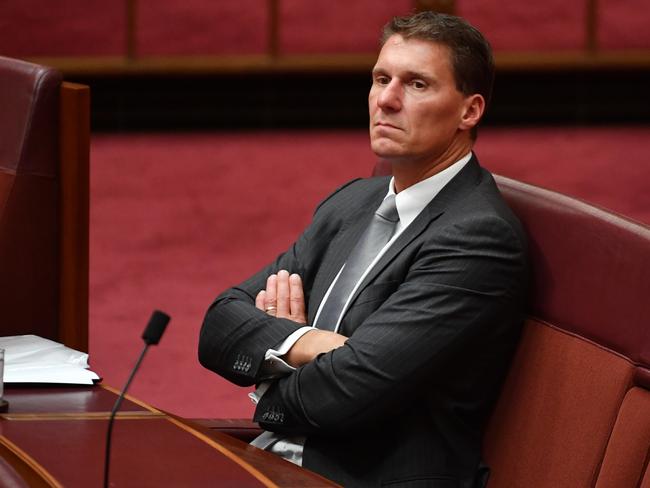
(374, 238)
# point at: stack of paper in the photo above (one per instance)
(33, 359)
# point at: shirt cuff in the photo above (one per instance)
(273, 365)
(256, 395)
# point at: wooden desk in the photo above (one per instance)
(55, 437)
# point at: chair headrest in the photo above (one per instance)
(29, 101)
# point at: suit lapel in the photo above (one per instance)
(455, 190)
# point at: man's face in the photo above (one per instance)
(416, 111)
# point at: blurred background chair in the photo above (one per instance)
(44, 157)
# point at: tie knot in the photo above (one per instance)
(388, 210)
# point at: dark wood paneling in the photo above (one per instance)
(74, 203)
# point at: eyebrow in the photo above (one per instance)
(418, 74)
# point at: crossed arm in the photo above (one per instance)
(451, 299)
(284, 298)
(451, 320)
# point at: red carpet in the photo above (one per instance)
(175, 219)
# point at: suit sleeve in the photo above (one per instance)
(235, 335)
(459, 291)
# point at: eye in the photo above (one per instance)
(382, 79)
(418, 84)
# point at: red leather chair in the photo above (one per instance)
(44, 154)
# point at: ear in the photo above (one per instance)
(473, 109)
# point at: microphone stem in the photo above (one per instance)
(116, 407)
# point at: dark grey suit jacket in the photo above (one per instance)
(431, 331)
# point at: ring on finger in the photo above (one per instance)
(270, 309)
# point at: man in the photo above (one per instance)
(394, 384)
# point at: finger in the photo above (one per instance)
(297, 299)
(282, 297)
(259, 300)
(270, 297)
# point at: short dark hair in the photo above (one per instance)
(471, 55)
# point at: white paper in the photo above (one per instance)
(33, 359)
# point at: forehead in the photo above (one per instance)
(414, 54)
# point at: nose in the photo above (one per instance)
(390, 97)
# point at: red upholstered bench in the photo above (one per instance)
(575, 409)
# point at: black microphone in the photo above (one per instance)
(155, 328)
(151, 336)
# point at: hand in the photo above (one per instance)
(283, 297)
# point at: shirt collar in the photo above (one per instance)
(412, 200)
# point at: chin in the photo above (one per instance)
(386, 149)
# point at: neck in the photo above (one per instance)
(408, 173)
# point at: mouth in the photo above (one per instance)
(386, 125)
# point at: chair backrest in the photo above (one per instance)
(44, 155)
(575, 409)
(591, 268)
